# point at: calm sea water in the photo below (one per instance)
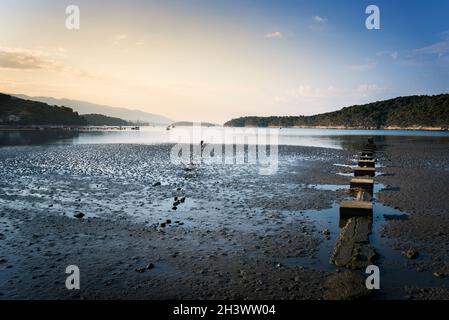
(327, 138)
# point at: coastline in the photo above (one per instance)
(390, 128)
(106, 127)
(66, 128)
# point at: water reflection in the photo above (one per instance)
(326, 138)
(36, 137)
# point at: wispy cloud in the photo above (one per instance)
(7, 85)
(369, 65)
(319, 19)
(439, 48)
(310, 93)
(366, 90)
(318, 23)
(25, 59)
(389, 53)
(18, 58)
(435, 53)
(274, 35)
(118, 38)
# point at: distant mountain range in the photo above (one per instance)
(15, 111)
(83, 107)
(190, 123)
(412, 112)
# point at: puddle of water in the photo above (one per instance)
(395, 275)
(345, 174)
(345, 165)
(351, 174)
(325, 187)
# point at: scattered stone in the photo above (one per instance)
(346, 286)
(174, 208)
(156, 184)
(326, 232)
(140, 270)
(168, 221)
(79, 215)
(410, 254)
(183, 199)
(163, 225)
(150, 266)
(438, 274)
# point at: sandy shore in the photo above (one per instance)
(238, 235)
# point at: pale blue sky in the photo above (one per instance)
(214, 60)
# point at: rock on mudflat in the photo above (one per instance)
(79, 215)
(410, 254)
(150, 266)
(156, 184)
(346, 286)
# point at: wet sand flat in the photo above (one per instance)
(236, 235)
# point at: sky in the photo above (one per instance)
(216, 60)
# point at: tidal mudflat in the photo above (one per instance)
(232, 233)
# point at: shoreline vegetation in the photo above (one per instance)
(390, 128)
(17, 113)
(417, 113)
(402, 113)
